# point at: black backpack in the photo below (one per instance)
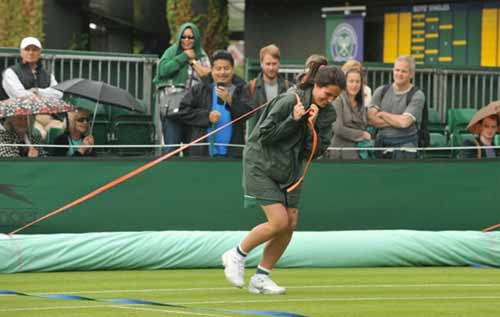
(423, 130)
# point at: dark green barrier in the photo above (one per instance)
(207, 195)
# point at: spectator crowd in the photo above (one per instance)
(197, 94)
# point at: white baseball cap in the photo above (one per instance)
(30, 40)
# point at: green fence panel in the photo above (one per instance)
(207, 195)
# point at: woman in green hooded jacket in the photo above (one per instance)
(274, 162)
(181, 66)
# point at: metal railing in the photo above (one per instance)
(133, 73)
(444, 88)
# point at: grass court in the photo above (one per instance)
(383, 292)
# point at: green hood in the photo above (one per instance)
(175, 52)
(176, 47)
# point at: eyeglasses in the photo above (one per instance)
(82, 119)
(185, 37)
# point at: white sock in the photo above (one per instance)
(262, 270)
(240, 251)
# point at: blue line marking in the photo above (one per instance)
(130, 301)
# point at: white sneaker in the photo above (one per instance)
(262, 284)
(234, 267)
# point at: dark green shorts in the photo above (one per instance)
(251, 201)
(261, 190)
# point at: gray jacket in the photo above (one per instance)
(348, 128)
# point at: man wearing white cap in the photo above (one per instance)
(29, 77)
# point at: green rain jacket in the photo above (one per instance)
(173, 66)
(279, 146)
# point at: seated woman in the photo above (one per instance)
(488, 129)
(217, 100)
(78, 128)
(351, 123)
(19, 130)
(367, 91)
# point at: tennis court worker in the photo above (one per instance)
(274, 160)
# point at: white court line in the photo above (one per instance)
(290, 300)
(203, 289)
(169, 311)
(113, 306)
(343, 299)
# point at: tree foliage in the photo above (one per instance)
(178, 12)
(217, 31)
(213, 24)
(20, 18)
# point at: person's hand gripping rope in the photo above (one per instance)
(299, 111)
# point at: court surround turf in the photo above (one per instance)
(446, 291)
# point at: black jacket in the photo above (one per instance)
(39, 79)
(474, 153)
(197, 104)
(61, 151)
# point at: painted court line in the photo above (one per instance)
(345, 299)
(169, 311)
(281, 300)
(395, 286)
(107, 306)
(203, 289)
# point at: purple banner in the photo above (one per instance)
(345, 36)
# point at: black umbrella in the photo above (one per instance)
(101, 93)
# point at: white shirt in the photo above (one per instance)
(15, 89)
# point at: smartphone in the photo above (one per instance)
(220, 101)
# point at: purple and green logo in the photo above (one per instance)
(344, 42)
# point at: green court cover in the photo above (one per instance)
(202, 249)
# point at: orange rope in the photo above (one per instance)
(491, 228)
(310, 124)
(133, 173)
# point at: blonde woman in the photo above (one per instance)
(77, 135)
